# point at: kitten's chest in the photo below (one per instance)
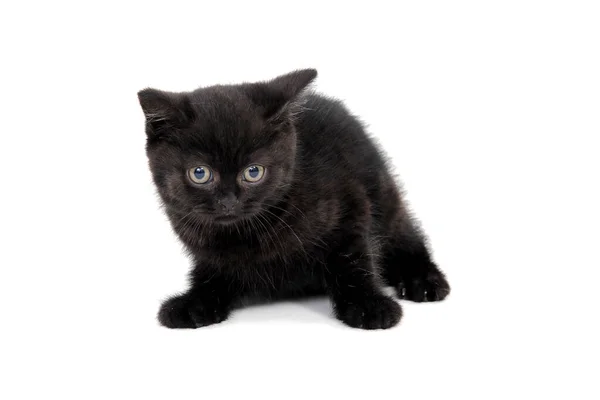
(258, 249)
(277, 270)
(295, 276)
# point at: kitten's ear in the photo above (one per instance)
(276, 95)
(292, 84)
(164, 111)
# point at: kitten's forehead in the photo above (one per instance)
(223, 105)
(227, 126)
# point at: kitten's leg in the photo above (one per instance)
(354, 285)
(407, 265)
(207, 302)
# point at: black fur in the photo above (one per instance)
(327, 217)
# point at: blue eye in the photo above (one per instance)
(254, 173)
(200, 175)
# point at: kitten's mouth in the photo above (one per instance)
(226, 218)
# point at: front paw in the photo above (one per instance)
(374, 312)
(185, 312)
(431, 286)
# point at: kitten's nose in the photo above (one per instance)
(228, 203)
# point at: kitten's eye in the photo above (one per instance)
(200, 175)
(254, 173)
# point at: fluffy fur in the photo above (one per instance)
(326, 218)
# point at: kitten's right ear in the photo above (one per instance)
(164, 111)
(277, 95)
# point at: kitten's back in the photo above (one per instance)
(334, 144)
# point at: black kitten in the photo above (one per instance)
(277, 192)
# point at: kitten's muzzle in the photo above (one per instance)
(229, 205)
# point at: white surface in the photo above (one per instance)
(490, 113)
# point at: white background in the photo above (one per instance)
(489, 110)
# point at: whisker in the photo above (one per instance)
(290, 228)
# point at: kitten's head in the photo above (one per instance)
(222, 153)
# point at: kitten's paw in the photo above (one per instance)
(433, 286)
(377, 312)
(182, 312)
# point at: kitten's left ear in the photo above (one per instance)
(164, 111)
(276, 95)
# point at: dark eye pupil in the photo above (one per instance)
(199, 173)
(253, 172)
